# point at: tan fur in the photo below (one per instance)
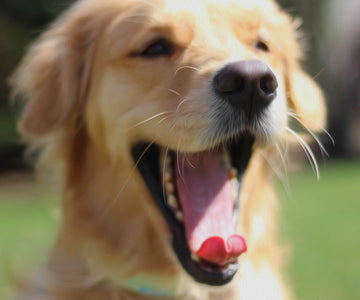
(87, 98)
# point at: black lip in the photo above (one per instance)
(149, 168)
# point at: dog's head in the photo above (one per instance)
(188, 90)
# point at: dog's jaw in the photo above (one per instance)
(148, 159)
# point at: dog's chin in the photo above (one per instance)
(161, 170)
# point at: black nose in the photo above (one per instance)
(248, 86)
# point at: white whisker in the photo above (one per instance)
(163, 179)
(189, 162)
(127, 179)
(310, 155)
(186, 67)
(319, 73)
(284, 181)
(149, 3)
(163, 119)
(179, 105)
(174, 92)
(183, 163)
(283, 160)
(323, 150)
(177, 160)
(291, 113)
(149, 119)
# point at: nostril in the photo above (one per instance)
(228, 81)
(223, 85)
(268, 83)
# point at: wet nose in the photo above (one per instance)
(249, 86)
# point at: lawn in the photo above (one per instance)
(28, 217)
(322, 219)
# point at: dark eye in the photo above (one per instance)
(160, 47)
(261, 45)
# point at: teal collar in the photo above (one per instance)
(160, 287)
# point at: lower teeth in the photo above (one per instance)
(195, 257)
(179, 216)
(172, 202)
(169, 187)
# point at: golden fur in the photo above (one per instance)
(90, 98)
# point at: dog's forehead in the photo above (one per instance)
(218, 4)
(200, 8)
(215, 23)
(193, 13)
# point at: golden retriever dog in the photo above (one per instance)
(161, 117)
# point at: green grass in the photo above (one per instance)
(322, 219)
(27, 224)
(323, 222)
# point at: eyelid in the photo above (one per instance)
(168, 48)
(262, 45)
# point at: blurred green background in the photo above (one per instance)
(321, 218)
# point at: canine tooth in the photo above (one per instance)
(233, 172)
(195, 257)
(167, 177)
(169, 187)
(179, 216)
(171, 200)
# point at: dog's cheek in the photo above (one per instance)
(106, 109)
(307, 100)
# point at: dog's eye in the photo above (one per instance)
(261, 45)
(160, 47)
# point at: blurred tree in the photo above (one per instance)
(344, 59)
(312, 15)
(20, 22)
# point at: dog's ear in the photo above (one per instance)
(306, 99)
(53, 77)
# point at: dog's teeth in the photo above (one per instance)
(195, 257)
(169, 187)
(233, 173)
(167, 160)
(167, 176)
(172, 202)
(179, 216)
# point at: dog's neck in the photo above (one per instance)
(114, 224)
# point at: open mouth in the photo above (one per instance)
(198, 195)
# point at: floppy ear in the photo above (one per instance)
(306, 98)
(54, 75)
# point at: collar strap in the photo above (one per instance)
(153, 286)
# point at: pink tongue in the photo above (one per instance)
(205, 195)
